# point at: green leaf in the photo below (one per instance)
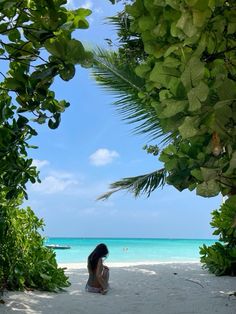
(198, 4)
(171, 164)
(197, 174)
(209, 174)
(87, 61)
(185, 23)
(162, 74)
(22, 121)
(171, 62)
(197, 95)
(13, 84)
(189, 128)
(142, 70)
(14, 35)
(9, 4)
(232, 165)
(220, 117)
(165, 94)
(80, 21)
(3, 27)
(208, 189)
(57, 47)
(68, 72)
(201, 17)
(135, 10)
(75, 51)
(172, 107)
(53, 124)
(41, 118)
(45, 277)
(193, 73)
(171, 49)
(82, 12)
(146, 23)
(227, 89)
(69, 50)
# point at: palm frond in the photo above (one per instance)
(144, 184)
(130, 42)
(120, 80)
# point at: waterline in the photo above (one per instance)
(128, 250)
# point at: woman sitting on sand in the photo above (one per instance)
(98, 273)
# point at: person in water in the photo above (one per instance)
(98, 273)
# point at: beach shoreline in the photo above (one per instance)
(74, 265)
(165, 288)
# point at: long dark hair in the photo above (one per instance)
(100, 251)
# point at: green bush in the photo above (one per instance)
(24, 260)
(220, 258)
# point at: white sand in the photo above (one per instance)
(168, 288)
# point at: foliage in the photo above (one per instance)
(24, 261)
(119, 78)
(36, 46)
(146, 184)
(184, 52)
(151, 149)
(224, 221)
(189, 89)
(220, 258)
(130, 43)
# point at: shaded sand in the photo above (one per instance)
(167, 288)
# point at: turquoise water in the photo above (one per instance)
(130, 250)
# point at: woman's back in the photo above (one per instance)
(98, 273)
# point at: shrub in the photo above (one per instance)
(220, 258)
(24, 260)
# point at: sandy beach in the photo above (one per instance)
(166, 288)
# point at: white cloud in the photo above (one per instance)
(87, 4)
(52, 184)
(40, 163)
(70, 4)
(64, 175)
(96, 211)
(103, 156)
(98, 10)
(65, 183)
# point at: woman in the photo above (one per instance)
(98, 273)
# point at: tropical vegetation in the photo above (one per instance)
(36, 45)
(220, 257)
(180, 88)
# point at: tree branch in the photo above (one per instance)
(212, 57)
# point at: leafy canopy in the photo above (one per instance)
(24, 260)
(182, 56)
(186, 61)
(183, 53)
(220, 258)
(36, 45)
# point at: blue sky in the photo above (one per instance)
(94, 147)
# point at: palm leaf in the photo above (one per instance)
(120, 79)
(144, 184)
(130, 43)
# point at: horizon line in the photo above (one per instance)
(106, 237)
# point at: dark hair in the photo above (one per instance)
(99, 252)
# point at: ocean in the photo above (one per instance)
(130, 249)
